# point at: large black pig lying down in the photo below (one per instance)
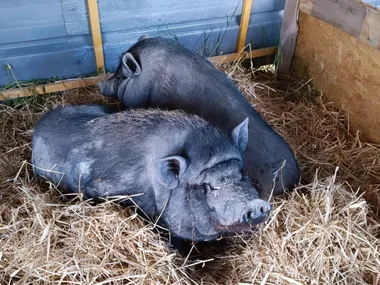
(161, 73)
(189, 172)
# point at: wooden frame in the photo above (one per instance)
(93, 11)
(58, 86)
(353, 17)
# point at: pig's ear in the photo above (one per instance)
(240, 135)
(143, 37)
(130, 66)
(169, 170)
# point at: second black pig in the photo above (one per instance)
(189, 172)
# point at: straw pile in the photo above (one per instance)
(325, 232)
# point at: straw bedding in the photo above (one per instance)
(325, 232)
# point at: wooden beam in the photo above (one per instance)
(288, 36)
(91, 81)
(50, 88)
(244, 22)
(93, 11)
(243, 55)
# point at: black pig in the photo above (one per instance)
(190, 173)
(161, 73)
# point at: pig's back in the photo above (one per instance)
(56, 135)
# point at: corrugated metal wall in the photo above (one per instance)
(41, 39)
(44, 38)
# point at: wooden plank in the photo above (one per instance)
(50, 88)
(351, 16)
(288, 36)
(243, 55)
(244, 22)
(96, 33)
(91, 81)
(347, 15)
(306, 6)
(345, 69)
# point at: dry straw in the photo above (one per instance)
(325, 232)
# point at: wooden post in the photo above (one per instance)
(243, 29)
(93, 11)
(288, 36)
(50, 88)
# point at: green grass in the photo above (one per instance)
(208, 48)
(30, 84)
(15, 83)
(36, 101)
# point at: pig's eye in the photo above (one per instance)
(197, 187)
(203, 186)
(209, 187)
(223, 180)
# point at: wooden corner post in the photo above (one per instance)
(288, 36)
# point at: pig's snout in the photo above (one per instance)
(257, 212)
(102, 86)
(107, 87)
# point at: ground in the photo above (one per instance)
(325, 232)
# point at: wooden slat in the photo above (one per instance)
(288, 36)
(243, 55)
(51, 87)
(96, 33)
(244, 22)
(90, 81)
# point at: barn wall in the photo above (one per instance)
(44, 38)
(347, 70)
(41, 39)
(196, 24)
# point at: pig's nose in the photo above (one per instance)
(101, 86)
(258, 212)
(107, 87)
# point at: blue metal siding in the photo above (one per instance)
(192, 22)
(41, 39)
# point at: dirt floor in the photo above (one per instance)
(325, 232)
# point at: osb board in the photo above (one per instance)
(346, 70)
(352, 16)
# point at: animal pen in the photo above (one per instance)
(310, 67)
